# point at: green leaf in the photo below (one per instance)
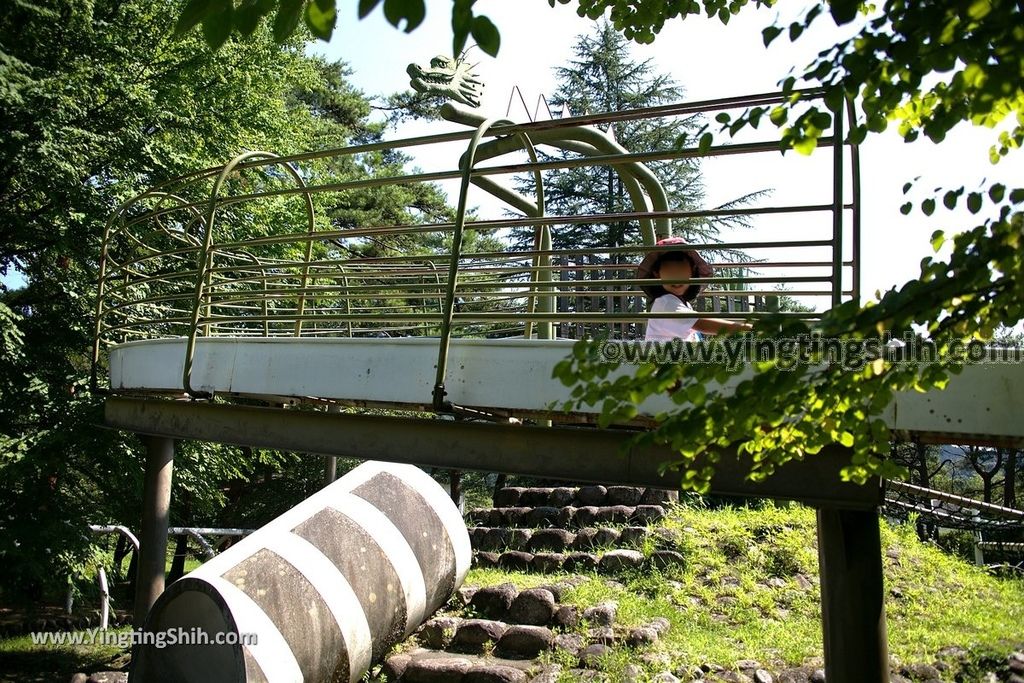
(974, 202)
(366, 6)
(195, 11)
(997, 192)
(321, 16)
(950, 198)
(249, 13)
(769, 34)
(486, 35)
(938, 238)
(705, 143)
(289, 12)
(218, 23)
(412, 11)
(928, 206)
(906, 208)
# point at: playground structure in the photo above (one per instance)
(235, 283)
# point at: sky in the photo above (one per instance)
(708, 60)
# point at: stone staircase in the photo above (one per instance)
(574, 529)
(516, 636)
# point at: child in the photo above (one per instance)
(676, 298)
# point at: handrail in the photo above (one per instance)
(212, 254)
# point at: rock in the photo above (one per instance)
(621, 560)
(580, 562)
(465, 594)
(803, 582)
(508, 496)
(556, 540)
(762, 676)
(606, 537)
(473, 634)
(797, 675)
(661, 625)
(535, 607)
(689, 673)
(516, 561)
(548, 563)
(584, 539)
(591, 495)
(601, 615)
(745, 664)
(732, 677)
(592, 655)
(556, 589)
(436, 670)
(486, 560)
(664, 677)
(818, 676)
(776, 582)
(526, 641)
(438, 633)
(495, 673)
(108, 677)
(631, 673)
(513, 517)
(394, 667)
(604, 635)
(586, 516)
(641, 636)
(476, 536)
(569, 642)
(614, 514)
(79, 678)
(921, 671)
(543, 516)
(566, 517)
(519, 538)
(496, 539)
(535, 497)
(562, 496)
(663, 559)
(567, 616)
(648, 514)
(494, 602)
(633, 536)
(584, 675)
(623, 495)
(667, 538)
(659, 497)
(479, 515)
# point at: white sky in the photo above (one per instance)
(708, 60)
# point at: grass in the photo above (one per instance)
(749, 590)
(22, 661)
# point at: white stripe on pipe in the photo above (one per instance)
(271, 650)
(335, 591)
(394, 546)
(436, 497)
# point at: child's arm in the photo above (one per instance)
(719, 326)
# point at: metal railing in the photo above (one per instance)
(290, 246)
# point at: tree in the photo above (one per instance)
(98, 103)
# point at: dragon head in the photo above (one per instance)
(447, 77)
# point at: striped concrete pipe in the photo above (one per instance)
(326, 588)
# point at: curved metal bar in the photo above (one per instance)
(439, 404)
(205, 260)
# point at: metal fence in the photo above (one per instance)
(273, 246)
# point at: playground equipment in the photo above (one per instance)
(234, 283)
(321, 591)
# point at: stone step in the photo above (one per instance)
(498, 539)
(457, 649)
(611, 562)
(567, 517)
(582, 496)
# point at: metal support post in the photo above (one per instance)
(156, 501)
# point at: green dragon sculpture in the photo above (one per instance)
(447, 77)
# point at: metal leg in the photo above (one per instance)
(156, 501)
(852, 596)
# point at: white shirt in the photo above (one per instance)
(666, 329)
